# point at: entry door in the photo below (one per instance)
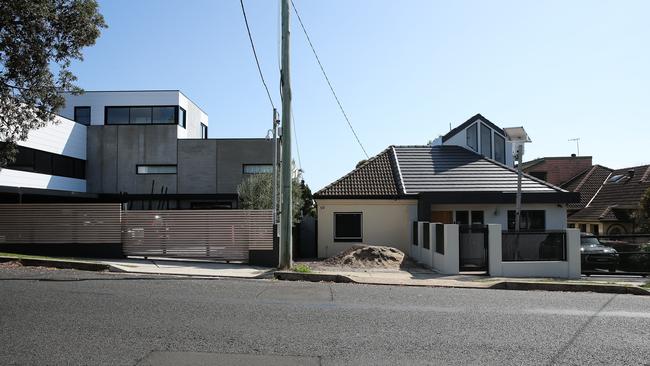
(443, 217)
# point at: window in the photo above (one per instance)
(539, 175)
(204, 131)
(43, 162)
(462, 218)
(595, 229)
(499, 148)
(257, 168)
(139, 115)
(571, 226)
(82, 115)
(156, 169)
(477, 218)
(583, 228)
(181, 117)
(163, 115)
(486, 141)
(531, 220)
(472, 136)
(347, 226)
(117, 115)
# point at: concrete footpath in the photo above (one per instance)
(401, 277)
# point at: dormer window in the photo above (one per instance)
(486, 141)
(472, 136)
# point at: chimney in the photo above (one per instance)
(573, 155)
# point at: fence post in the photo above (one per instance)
(573, 253)
(495, 267)
(451, 263)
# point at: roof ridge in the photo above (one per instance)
(646, 175)
(401, 185)
(591, 171)
(599, 189)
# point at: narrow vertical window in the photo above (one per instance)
(472, 136)
(499, 148)
(486, 141)
(181, 117)
(82, 115)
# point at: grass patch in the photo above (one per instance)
(302, 268)
(647, 285)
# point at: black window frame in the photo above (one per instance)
(176, 121)
(525, 218)
(476, 136)
(473, 213)
(204, 131)
(76, 108)
(484, 127)
(137, 169)
(348, 239)
(462, 213)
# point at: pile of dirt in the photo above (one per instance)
(10, 264)
(368, 256)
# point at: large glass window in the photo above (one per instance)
(181, 117)
(164, 115)
(117, 115)
(531, 220)
(472, 136)
(44, 162)
(156, 169)
(499, 148)
(486, 141)
(82, 115)
(140, 115)
(257, 168)
(348, 226)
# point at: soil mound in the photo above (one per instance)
(368, 256)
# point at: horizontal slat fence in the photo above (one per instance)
(218, 234)
(61, 223)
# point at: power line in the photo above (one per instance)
(322, 69)
(257, 61)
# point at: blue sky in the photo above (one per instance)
(404, 70)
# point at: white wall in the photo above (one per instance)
(16, 178)
(385, 222)
(97, 100)
(64, 138)
(556, 217)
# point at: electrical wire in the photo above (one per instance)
(322, 69)
(257, 61)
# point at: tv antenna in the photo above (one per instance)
(577, 140)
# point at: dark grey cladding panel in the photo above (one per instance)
(197, 166)
(454, 169)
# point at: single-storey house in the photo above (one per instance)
(378, 202)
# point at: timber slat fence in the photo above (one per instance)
(214, 234)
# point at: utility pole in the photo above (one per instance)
(276, 122)
(285, 82)
(520, 153)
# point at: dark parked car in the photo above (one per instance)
(595, 255)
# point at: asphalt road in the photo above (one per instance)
(68, 317)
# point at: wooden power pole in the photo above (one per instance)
(286, 219)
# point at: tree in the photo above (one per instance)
(256, 193)
(643, 213)
(308, 207)
(37, 36)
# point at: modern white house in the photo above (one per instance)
(147, 149)
(383, 201)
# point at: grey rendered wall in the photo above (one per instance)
(232, 154)
(114, 151)
(197, 166)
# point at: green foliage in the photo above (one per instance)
(302, 268)
(643, 213)
(308, 206)
(37, 36)
(256, 193)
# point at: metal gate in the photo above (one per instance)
(214, 234)
(473, 248)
